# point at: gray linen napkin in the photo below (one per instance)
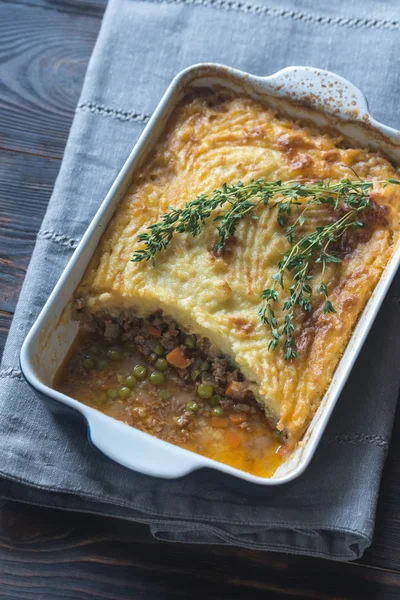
(46, 459)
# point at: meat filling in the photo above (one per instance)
(193, 360)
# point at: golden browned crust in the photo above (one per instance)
(208, 143)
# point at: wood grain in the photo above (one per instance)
(85, 557)
(26, 183)
(43, 59)
(5, 323)
(93, 8)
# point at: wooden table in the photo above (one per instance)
(49, 555)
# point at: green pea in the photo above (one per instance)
(215, 400)
(195, 374)
(159, 350)
(161, 364)
(102, 364)
(205, 366)
(205, 390)
(193, 406)
(129, 347)
(190, 341)
(112, 394)
(217, 411)
(139, 372)
(95, 350)
(114, 353)
(88, 364)
(164, 395)
(102, 397)
(130, 381)
(124, 392)
(156, 378)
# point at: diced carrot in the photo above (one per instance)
(232, 388)
(232, 439)
(153, 331)
(237, 419)
(219, 422)
(178, 359)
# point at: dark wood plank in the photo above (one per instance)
(5, 323)
(43, 59)
(93, 8)
(86, 557)
(26, 183)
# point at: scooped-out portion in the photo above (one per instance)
(175, 386)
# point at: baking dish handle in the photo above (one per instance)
(319, 89)
(141, 451)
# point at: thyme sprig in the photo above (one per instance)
(241, 200)
(235, 202)
(299, 260)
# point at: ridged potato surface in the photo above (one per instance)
(210, 141)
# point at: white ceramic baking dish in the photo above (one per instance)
(302, 92)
